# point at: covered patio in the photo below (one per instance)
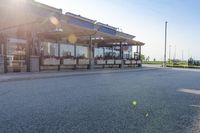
(46, 39)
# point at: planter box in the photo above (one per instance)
(133, 62)
(47, 68)
(83, 61)
(69, 61)
(100, 62)
(127, 62)
(139, 62)
(118, 62)
(51, 61)
(110, 62)
(18, 63)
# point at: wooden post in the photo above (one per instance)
(75, 56)
(40, 52)
(112, 52)
(103, 52)
(5, 53)
(120, 50)
(137, 52)
(59, 55)
(103, 56)
(1, 54)
(121, 55)
(91, 54)
(28, 52)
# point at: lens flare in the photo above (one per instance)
(72, 38)
(134, 103)
(54, 21)
(147, 115)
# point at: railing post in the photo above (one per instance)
(29, 43)
(75, 56)
(121, 55)
(59, 55)
(4, 40)
(91, 54)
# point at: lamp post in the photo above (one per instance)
(164, 63)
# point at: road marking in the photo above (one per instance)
(191, 91)
(197, 106)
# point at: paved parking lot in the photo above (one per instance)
(154, 101)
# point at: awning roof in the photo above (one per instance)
(70, 23)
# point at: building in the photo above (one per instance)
(36, 37)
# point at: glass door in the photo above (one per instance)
(16, 57)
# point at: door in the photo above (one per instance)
(16, 56)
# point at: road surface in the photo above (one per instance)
(155, 101)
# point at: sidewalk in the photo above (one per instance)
(152, 65)
(39, 75)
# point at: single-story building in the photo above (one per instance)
(36, 37)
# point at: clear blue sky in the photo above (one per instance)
(145, 19)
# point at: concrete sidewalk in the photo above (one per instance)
(40, 75)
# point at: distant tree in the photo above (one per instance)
(148, 58)
(154, 59)
(142, 57)
(190, 61)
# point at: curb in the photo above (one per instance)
(73, 74)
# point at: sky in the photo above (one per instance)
(146, 20)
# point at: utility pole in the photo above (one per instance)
(164, 63)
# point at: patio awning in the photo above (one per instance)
(68, 24)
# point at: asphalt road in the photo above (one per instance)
(129, 102)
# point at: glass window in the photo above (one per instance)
(108, 53)
(16, 55)
(66, 50)
(82, 51)
(127, 52)
(50, 49)
(116, 52)
(98, 53)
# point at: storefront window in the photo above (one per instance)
(116, 52)
(98, 53)
(82, 51)
(66, 50)
(127, 52)
(50, 49)
(108, 52)
(16, 57)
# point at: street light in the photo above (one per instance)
(164, 63)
